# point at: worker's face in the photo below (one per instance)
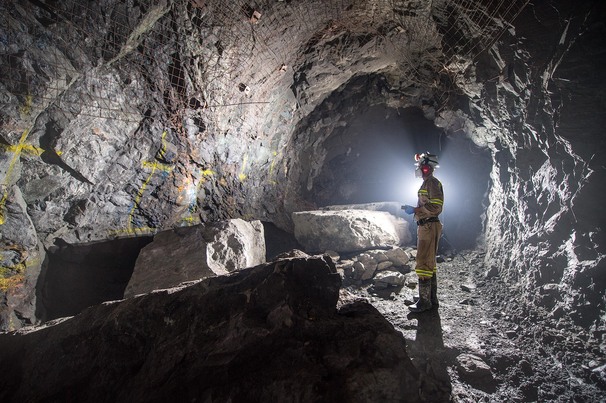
(426, 170)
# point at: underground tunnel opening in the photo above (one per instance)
(371, 159)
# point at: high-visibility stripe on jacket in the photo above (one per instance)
(431, 198)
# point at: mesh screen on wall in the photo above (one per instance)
(42, 63)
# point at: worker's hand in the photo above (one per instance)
(408, 209)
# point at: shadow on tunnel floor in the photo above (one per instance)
(429, 355)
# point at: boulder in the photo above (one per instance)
(358, 270)
(393, 208)
(192, 253)
(345, 230)
(398, 257)
(268, 333)
(476, 372)
(370, 266)
(389, 278)
(384, 265)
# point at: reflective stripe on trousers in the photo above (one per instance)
(428, 236)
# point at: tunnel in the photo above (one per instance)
(120, 120)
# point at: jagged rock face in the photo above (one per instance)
(123, 119)
(197, 252)
(271, 333)
(543, 221)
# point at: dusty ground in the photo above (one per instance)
(483, 350)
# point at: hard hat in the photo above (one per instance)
(425, 159)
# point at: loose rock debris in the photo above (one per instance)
(480, 349)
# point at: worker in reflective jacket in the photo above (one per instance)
(429, 230)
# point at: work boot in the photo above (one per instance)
(434, 291)
(424, 302)
(434, 294)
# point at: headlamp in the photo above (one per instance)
(425, 162)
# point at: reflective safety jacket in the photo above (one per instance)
(431, 198)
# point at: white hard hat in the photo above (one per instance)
(427, 159)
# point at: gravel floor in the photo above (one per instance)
(481, 349)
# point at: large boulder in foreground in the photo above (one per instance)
(271, 333)
(200, 251)
(346, 230)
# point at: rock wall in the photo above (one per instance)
(558, 223)
(121, 119)
(538, 110)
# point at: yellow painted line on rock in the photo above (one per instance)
(20, 148)
(137, 231)
(9, 170)
(25, 149)
(242, 175)
(11, 282)
(154, 166)
(191, 219)
(272, 167)
(13, 276)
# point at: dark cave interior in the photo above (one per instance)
(78, 276)
(123, 121)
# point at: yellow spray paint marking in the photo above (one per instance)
(25, 149)
(154, 166)
(162, 151)
(26, 109)
(11, 166)
(11, 282)
(190, 219)
(138, 231)
(13, 276)
(273, 163)
(20, 267)
(20, 148)
(272, 167)
(242, 175)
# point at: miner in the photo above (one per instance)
(429, 229)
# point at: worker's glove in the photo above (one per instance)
(408, 209)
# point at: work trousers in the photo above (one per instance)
(428, 236)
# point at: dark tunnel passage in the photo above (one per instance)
(75, 277)
(372, 160)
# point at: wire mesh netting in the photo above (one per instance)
(207, 50)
